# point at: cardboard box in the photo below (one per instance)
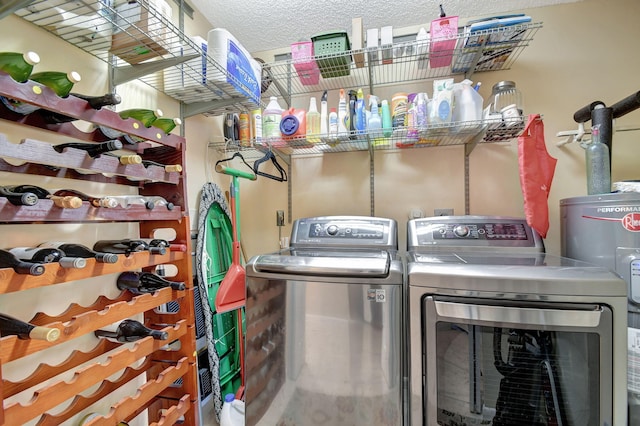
(141, 33)
(357, 41)
(372, 45)
(386, 41)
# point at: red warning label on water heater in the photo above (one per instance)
(631, 222)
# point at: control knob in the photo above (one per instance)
(461, 230)
(332, 229)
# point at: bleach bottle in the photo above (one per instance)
(232, 413)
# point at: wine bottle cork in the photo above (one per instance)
(173, 168)
(107, 202)
(44, 333)
(68, 202)
(130, 159)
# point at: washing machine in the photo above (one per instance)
(502, 333)
(325, 327)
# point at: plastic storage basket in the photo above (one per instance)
(327, 48)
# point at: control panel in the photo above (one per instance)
(471, 232)
(344, 232)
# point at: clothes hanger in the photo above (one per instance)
(235, 155)
(269, 155)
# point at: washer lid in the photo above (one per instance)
(326, 263)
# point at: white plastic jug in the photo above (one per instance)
(467, 105)
(232, 413)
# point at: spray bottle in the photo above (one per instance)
(343, 115)
(324, 130)
(360, 112)
(375, 121)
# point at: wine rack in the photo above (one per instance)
(169, 390)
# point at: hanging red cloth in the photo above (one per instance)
(536, 174)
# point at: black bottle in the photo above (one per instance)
(10, 326)
(93, 149)
(130, 331)
(18, 198)
(145, 282)
(126, 246)
(9, 260)
(95, 102)
(79, 250)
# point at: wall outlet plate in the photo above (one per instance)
(443, 212)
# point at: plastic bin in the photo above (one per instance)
(306, 67)
(327, 47)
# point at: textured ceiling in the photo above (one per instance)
(270, 24)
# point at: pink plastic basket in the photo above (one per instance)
(304, 63)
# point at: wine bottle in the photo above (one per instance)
(95, 102)
(18, 65)
(145, 282)
(93, 149)
(108, 202)
(9, 260)
(18, 198)
(10, 326)
(79, 250)
(61, 83)
(145, 116)
(156, 242)
(68, 202)
(130, 331)
(48, 255)
(167, 167)
(166, 124)
(127, 159)
(126, 246)
(149, 201)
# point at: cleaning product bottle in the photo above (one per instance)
(294, 125)
(375, 121)
(598, 169)
(313, 122)
(387, 126)
(351, 121)
(333, 123)
(422, 101)
(324, 117)
(360, 112)
(271, 117)
(232, 413)
(343, 115)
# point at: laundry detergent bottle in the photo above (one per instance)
(271, 117)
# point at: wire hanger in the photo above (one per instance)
(235, 155)
(269, 155)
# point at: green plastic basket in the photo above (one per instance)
(326, 48)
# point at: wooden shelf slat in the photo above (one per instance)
(87, 322)
(78, 108)
(56, 393)
(10, 281)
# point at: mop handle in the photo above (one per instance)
(235, 172)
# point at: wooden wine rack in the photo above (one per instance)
(169, 393)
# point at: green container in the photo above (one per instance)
(327, 48)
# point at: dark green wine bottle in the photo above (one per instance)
(59, 82)
(95, 102)
(145, 116)
(18, 65)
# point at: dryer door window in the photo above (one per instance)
(516, 365)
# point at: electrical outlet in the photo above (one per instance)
(443, 212)
(279, 217)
